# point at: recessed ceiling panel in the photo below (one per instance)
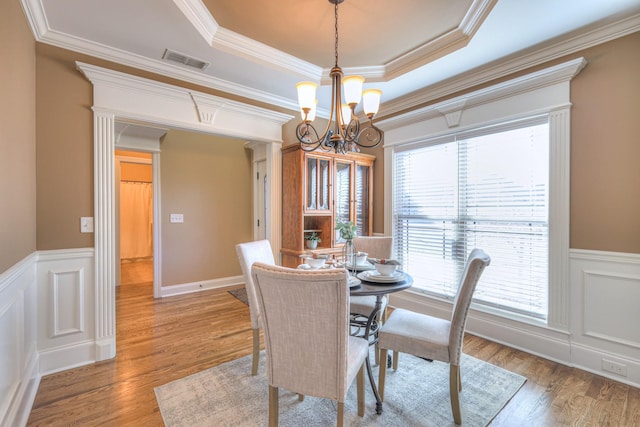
(370, 32)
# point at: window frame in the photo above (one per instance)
(459, 137)
(546, 91)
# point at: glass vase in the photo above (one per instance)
(349, 253)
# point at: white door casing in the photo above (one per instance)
(126, 98)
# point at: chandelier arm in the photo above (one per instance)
(370, 136)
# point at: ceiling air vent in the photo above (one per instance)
(170, 55)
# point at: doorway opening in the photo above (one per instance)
(134, 212)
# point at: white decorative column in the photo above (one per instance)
(104, 233)
(559, 175)
(274, 203)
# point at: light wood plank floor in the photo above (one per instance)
(162, 340)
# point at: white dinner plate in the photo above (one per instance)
(353, 282)
(363, 267)
(374, 276)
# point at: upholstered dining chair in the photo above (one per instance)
(306, 328)
(376, 247)
(248, 253)
(431, 337)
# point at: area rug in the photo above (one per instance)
(415, 395)
(241, 294)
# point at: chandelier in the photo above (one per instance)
(347, 133)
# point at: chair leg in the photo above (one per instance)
(273, 406)
(340, 421)
(396, 355)
(454, 383)
(300, 397)
(360, 387)
(382, 373)
(256, 351)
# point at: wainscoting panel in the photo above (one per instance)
(611, 310)
(605, 313)
(19, 377)
(67, 303)
(66, 309)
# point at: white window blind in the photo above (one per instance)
(486, 189)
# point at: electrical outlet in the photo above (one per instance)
(614, 367)
(176, 218)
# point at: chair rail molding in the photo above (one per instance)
(125, 98)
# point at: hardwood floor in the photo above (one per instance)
(162, 340)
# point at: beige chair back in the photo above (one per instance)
(305, 324)
(375, 246)
(476, 263)
(248, 253)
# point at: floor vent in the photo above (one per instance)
(170, 55)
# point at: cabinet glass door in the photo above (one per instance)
(363, 179)
(342, 194)
(317, 191)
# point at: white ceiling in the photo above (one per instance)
(414, 50)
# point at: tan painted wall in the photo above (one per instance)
(17, 136)
(65, 173)
(605, 149)
(65, 152)
(208, 180)
(604, 205)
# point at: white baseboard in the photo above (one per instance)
(18, 412)
(67, 357)
(547, 343)
(204, 285)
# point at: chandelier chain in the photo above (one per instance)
(336, 28)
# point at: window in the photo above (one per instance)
(486, 188)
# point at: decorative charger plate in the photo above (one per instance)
(375, 277)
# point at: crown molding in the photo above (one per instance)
(556, 74)
(79, 45)
(37, 19)
(198, 14)
(200, 17)
(244, 47)
(518, 62)
(447, 43)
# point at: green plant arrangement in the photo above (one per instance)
(313, 237)
(347, 229)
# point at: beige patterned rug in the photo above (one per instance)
(416, 395)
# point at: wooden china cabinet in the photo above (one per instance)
(317, 189)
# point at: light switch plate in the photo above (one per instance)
(177, 218)
(86, 224)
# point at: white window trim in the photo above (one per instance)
(542, 92)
